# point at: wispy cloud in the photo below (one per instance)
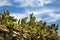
(52, 16)
(18, 15)
(51, 13)
(4, 3)
(33, 3)
(39, 11)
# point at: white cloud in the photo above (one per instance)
(33, 3)
(40, 12)
(4, 2)
(26, 3)
(39, 19)
(53, 17)
(19, 15)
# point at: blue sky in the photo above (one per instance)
(46, 10)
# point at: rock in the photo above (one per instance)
(4, 29)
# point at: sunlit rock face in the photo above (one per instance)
(3, 32)
(13, 34)
(6, 35)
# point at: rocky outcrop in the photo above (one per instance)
(10, 34)
(4, 29)
(7, 34)
(13, 34)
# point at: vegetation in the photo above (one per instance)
(32, 30)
